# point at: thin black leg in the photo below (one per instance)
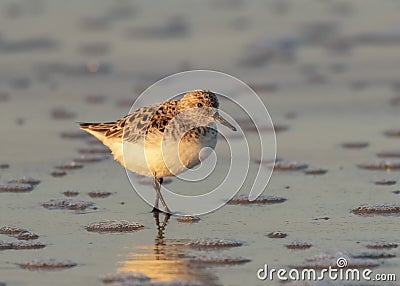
(157, 187)
(155, 207)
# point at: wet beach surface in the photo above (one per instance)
(331, 84)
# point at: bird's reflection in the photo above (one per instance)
(166, 259)
(160, 238)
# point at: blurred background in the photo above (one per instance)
(327, 70)
(88, 56)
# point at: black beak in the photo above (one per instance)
(218, 118)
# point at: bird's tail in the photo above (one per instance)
(99, 130)
(97, 127)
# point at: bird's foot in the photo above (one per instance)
(156, 210)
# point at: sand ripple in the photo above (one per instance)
(244, 200)
(15, 188)
(220, 260)
(289, 166)
(69, 204)
(114, 226)
(381, 245)
(25, 180)
(124, 277)
(298, 245)
(277, 234)
(382, 165)
(188, 219)
(47, 264)
(377, 209)
(214, 243)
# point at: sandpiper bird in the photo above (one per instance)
(165, 139)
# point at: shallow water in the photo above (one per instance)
(349, 106)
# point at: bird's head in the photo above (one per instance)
(203, 104)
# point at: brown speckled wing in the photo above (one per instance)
(149, 119)
(163, 116)
(135, 126)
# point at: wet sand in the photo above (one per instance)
(325, 98)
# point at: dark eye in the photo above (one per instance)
(199, 105)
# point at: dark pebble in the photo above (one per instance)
(298, 245)
(289, 166)
(58, 173)
(244, 200)
(188, 219)
(70, 193)
(382, 165)
(382, 245)
(47, 264)
(124, 277)
(214, 243)
(377, 209)
(322, 218)
(114, 226)
(392, 133)
(15, 188)
(90, 158)
(315, 171)
(27, 245)
(99, 194)
(385, 182)
(374, 255)
(355, 145)
(25, 180)
(277, 234)
(5, 245)
(389, 154)
(27, 235)
(97, 149)
(11, 229)
(70, 166)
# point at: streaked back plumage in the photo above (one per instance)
(145, 129)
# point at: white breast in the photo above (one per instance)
(165, 159)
